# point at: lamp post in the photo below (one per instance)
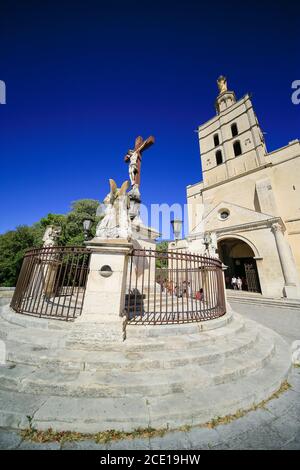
(177, 227)
(87, 223)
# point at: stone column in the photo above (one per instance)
(224, 269)
(105, 290)
(290, 289)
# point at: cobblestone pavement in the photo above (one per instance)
(276, 426)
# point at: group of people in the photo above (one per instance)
(182, 289)
(236, 283)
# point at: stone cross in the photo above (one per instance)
(134, 157)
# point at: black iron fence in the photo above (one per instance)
(52, 282)
(173, 287)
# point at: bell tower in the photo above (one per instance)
(225, 98)
(231, 143)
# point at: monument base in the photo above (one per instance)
(105, 290)
(77, 383)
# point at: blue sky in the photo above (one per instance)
(84, 78)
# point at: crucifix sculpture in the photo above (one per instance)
(134, 157)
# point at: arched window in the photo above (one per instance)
(234, 130)
(219, 158)
(216, 140)
(237, 148)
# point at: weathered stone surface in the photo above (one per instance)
(15, 407)
(174, 440)
(280, 318)
(293, 413)
(239, 426)
(92, 415)
(9, 439)
(129, 444)
(28, 445)
(278, 406)
(261, 438)
(83, 445)
(281, 415)
(259, 429)
(286, 429)
(153, 379)
(203, 438)
(296, 379)
(293, 444)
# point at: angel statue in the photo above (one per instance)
(116, 222)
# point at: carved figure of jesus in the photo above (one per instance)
(134, 157)
(133, 165)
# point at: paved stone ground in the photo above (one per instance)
(285, 321)
(277, 426)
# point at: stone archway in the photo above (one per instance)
(239, 257)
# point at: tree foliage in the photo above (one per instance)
(12, 248)
(162, 261)
(14, 243)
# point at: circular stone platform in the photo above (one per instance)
(65, 377)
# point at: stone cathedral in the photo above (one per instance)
(248, 198)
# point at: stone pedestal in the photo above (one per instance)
(105, 290)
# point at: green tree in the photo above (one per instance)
(162, 260)
(12, 248)
(81, 210)
(14, 243)
(72, 223)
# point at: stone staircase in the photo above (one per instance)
(166, 308)
(162, 375)
(258, 299)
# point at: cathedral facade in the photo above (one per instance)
(249, 200)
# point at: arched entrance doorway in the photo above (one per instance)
(239, 257)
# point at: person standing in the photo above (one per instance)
(233, 282)
(199, 295)
(239, 283)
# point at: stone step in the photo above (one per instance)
(67, 379)
(32, 321)
(10, 320)
(154, 340)
(167, 306)
(26, 320)
(263, 301)
(120, 382)
(225, 398)
(195, 406)
(147, 339)
(177, 328)
(81, 338)
(186, 352)
(136, 353)
(169, 300)
(33, 336)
